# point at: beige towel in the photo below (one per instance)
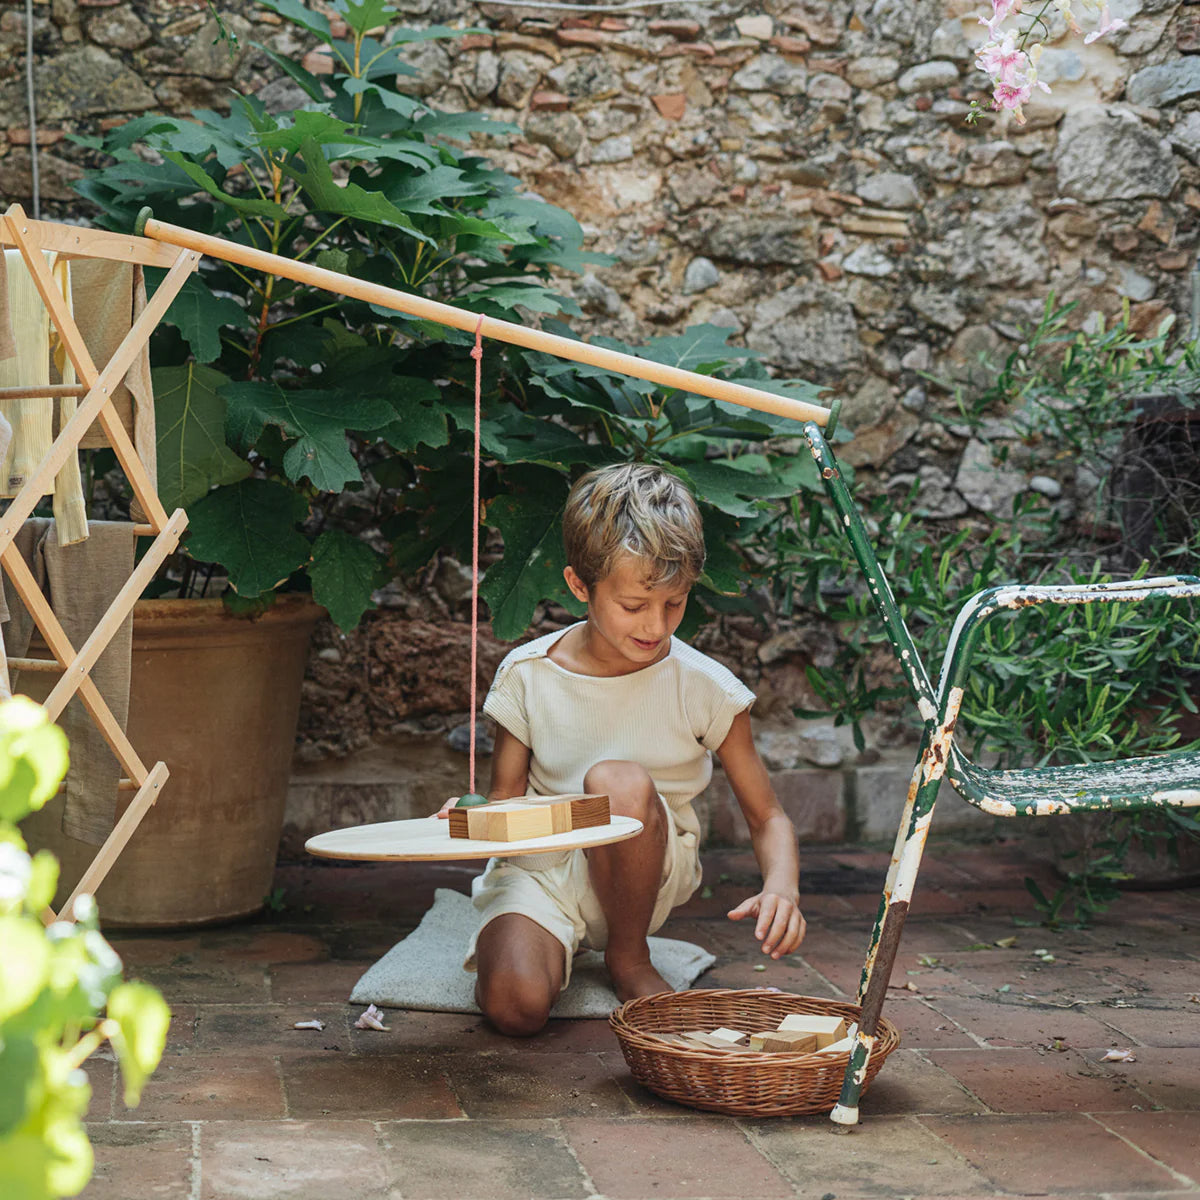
(36, 343)
(32, 420)
(109, 297)
(70, 509)
(81, 582)
(8, 344)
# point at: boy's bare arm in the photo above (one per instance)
(510, 767)
(779, 924)
(510, 770)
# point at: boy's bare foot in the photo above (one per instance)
(635, 977)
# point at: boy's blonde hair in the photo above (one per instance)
(636, 509)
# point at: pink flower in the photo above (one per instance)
(1001, 11)
(1002, 60)
(1107, 25)
(1011, 95)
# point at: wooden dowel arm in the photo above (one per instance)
(503, 331)
(43, 391)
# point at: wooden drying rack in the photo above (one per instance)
(178, 250)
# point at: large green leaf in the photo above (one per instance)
(420, 419)
(247, 206)
(727, 488)
(532, 566)
(318, 420)
(250, 530)
(304, 125)
(192, 454)
(198, 314)
(347, 199)
(301, 14)
(344, 572)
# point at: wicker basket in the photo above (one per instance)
(755, 1085)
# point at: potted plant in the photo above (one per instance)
(321, 446)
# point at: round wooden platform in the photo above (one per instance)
(427, 839)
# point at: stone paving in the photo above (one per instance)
(998, 1088)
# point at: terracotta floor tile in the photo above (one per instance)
(291, 1160)
(100, 1073)
(696, 1156)
(1157, 1026)
(909, 1084)
(329, 982)
(1028, 1081)
(1164, 1075)
(881, 1156)
(1017, 1022)
(267, 1029)
(340, 1086)
(1059, 1152)
(191, 981)
(208, 1087)
(500, 1160)
(140, 1160)
(275, 946)
(922, 1026)
(1171, 1138)
(534, 1085)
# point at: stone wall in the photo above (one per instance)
(799, 172)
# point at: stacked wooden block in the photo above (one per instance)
(528, 817)
(798, 1033)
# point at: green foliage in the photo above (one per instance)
(54, 981)
(288, 414)
(1053, 683)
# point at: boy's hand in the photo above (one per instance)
(780, 924)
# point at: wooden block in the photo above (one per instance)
(793, 1041)
(585, 810)
(842, 1047)
(703, 1039)
(827, 1029)
(733, 1036)
(528, 817)
(509, 821)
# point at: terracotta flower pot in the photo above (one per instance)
(216, 698)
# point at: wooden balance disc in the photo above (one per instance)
(427, 839)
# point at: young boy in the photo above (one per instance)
(617, 705)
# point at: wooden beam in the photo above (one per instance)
(76, 241)
(77, 670)
(55, 302)
(60, 646)
(40, 482)
(490, 327)
(130, 819)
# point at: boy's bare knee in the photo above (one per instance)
(516, 1007)
(630, 790)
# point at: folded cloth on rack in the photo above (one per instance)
(32, 419)
(109, 297)
(70, 509)
(80, 582)
(8, 344)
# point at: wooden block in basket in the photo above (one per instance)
(528, 817)
(826, 1029)
(793, 1041)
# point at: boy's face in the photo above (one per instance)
(632, 622)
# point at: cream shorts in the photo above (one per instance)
(555, 890)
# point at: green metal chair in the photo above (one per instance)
(1158, 781)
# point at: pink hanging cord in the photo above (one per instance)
(477, 355)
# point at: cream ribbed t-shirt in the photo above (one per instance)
(668, 717)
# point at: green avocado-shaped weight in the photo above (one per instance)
(471, 800)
